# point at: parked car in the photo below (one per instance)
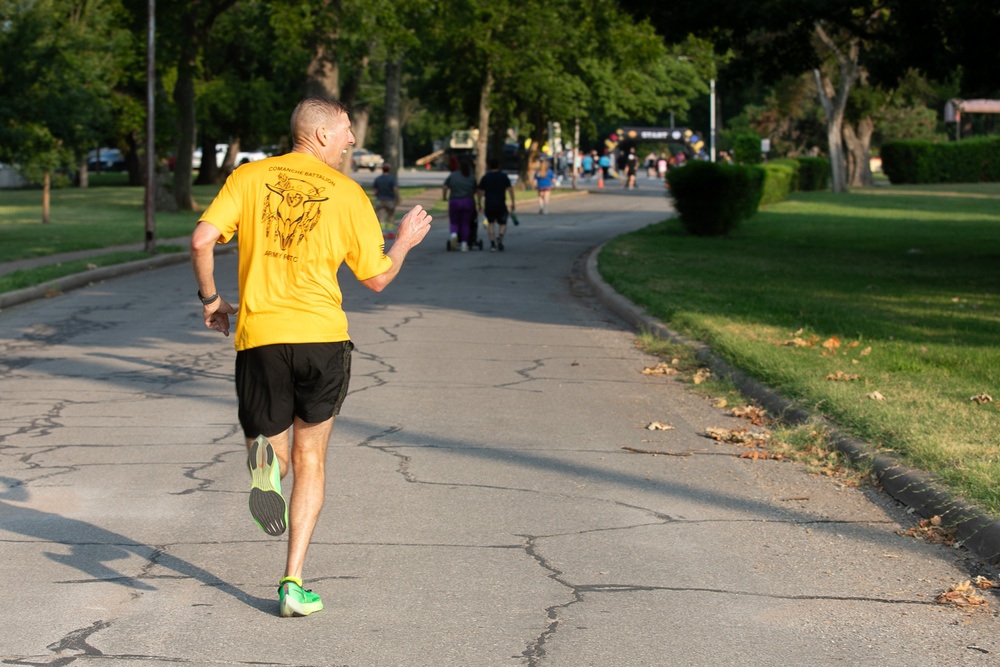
(242, 157)
(105, 159)
(362, 158)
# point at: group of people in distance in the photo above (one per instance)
(467, 200)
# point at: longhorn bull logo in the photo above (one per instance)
(296, 212)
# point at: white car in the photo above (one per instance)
(362, 158)
(242, 157)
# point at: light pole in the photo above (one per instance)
(150, 245)
(711, 122)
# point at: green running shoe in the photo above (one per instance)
(294, 601)
(267, 505)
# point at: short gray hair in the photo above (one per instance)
(313, 112)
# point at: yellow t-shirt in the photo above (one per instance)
(298, 220)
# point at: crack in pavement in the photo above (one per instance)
(535, 651)
(205, 483)
(74, 646)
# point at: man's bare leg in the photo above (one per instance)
(308, 460)
(308, 453)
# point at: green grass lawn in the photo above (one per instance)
(82, 219)
(105, 214)
(899, 286)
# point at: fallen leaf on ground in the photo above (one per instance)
(982, 583)
(720, 403)
(865, 352)
(797, 342)
(876, 396)
(841, 376)
(751, 413)
(738, 436)
(659, 426)
(702, 375)
(831, 343)
(932, 531)
(962, 595)
(982, 398)
(662, 368)
(759, 454)
(91, 266)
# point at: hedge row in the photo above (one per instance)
(712, 199)
(973, 160)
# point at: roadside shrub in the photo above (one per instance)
(814, 173)
(781, 178)
(712, 199)
(968, 161)
(746, 148)
(908, 161)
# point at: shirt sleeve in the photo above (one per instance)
(224, 211)
(367, 257)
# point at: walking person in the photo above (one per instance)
(386, 189)
(604, 163)
(543, 184)
(459, 191)
(631, 167)
(494, 187)
(297, 220)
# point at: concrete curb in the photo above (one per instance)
(77, 280)
(976, 530)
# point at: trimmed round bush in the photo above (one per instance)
(746, 148)
(780, 179)
(814, 173)
(712, 199)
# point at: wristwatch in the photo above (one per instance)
(208, 299)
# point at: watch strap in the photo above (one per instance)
(208, 299)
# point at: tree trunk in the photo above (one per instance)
(359, 110)
(229, 159)
(359, 123)
(834, 101)
(393, 110)
(859, 141)
(323, 74)
(46, 197)
(184, 99)
(482, 141)
(209, 172)
(195, 25)
(83, 173)
(834, 142)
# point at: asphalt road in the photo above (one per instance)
(481, 509)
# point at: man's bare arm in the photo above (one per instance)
(412, 230)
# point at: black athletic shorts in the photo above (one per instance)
(276, 383)
(496, 214)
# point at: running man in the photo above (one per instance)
(298, 219)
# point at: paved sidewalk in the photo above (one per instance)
(485, 502)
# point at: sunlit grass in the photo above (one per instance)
(906, 275)
(83, 219)
(21, 279)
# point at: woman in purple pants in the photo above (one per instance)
(459, 191)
